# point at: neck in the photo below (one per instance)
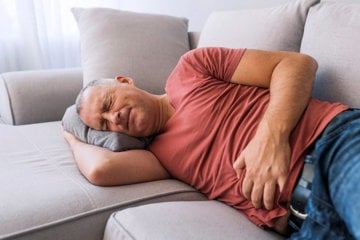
(166, 110)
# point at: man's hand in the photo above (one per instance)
(265, 161)
(70, 138)
(103, 167)
(289, 77)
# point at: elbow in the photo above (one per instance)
(309, 63)
(307, 66)
(313, 66)
(97, 174)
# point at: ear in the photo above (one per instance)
(126, 80)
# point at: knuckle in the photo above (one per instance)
(251, 174)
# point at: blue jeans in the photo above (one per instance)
(334, 205)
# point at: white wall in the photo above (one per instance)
(196, 11)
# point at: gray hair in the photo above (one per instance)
(94, 83)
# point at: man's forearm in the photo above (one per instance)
(104, 167)
(289, 77)
(290, 91)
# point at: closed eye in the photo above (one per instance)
(106, 106)
(107, 103)
(104, 125)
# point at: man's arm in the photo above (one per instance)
(106, 168)
(289, 77)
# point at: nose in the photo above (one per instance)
(112, 117)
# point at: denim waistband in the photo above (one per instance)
(340, 122)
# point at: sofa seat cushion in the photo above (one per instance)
(183, 220)
(44, 196)
(334, 43)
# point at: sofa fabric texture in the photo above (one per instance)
(145, 47)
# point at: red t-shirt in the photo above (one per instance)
(214, 121)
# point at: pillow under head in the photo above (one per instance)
(113, 141)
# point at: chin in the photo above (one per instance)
(143, 133)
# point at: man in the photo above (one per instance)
(235, 124)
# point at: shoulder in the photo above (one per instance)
(213, 52)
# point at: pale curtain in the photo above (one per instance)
(41, 34)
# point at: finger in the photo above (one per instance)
(269, 195)
(247, 188)
(257, 195)
(239, 165)
(281, 182)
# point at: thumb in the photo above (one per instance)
(239, 165)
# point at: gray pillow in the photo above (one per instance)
(143, 46)
(113, 141)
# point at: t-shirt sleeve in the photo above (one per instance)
(203, 64)
(216, 62)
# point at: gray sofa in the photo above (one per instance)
(44, 196)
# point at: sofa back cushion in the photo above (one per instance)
(332, 37)
(143, 46)
(275, 28)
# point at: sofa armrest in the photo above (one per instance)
(37, 96)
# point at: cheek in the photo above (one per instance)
(143, 122)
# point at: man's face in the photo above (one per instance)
(121, 107)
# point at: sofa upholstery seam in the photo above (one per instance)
(118, 223)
